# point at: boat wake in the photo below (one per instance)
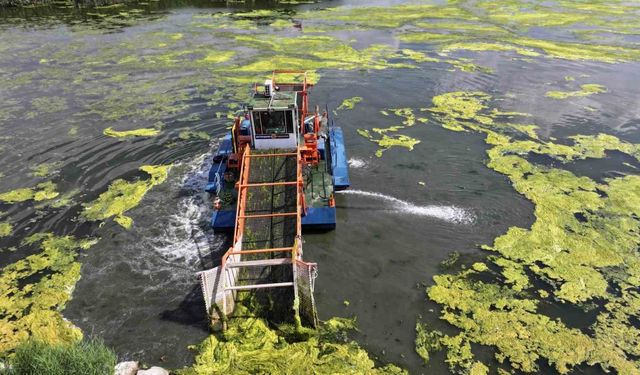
(185, 234)
(451, 214)
(357, 163)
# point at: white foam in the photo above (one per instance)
(451, 214)
(185, 235)
(357, 163)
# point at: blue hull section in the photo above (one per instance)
(223, 221)
(317, 218)
(339, 163)
(219, 165)
(323, 218)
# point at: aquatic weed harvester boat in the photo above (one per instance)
(272, 176)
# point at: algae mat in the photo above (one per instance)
(518, 115)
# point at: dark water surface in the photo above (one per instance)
(138, 289)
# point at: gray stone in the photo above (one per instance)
(127, 368)
(155, 370)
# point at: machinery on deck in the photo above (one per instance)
(273, 176)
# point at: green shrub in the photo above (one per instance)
(81, 358)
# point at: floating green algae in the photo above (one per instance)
(462, 64)
(492, 315)
(126, 100)
(388, 141)
(385, 140)
(309, 52)
(189, 134)
(46, 105)
(121, 196)
(35, 290)
(120, 82)
(451, 259)
(5, 229)
(424, 37)
(427, 341)
(349, 103)
(251, 346)
(461, 28)
(218, 57)
(388, 17)
(143, 132)
(579, 51)
(45, 169)
(585, 90)
(42, 191)
(63, 200)
(281, 24)
(480, 46)
(453, 110)
(582, 245)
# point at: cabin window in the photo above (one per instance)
(273, 122)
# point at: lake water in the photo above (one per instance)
(67, 75)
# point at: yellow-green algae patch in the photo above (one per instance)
(218, 57)
(46, 105)
(42, 191)
(386, 141)
(189, 134)
(495, 28)
(462, 27)
(122, 195)
(349, 103)
(388, 17)
(479, 46)
(5, 229)
(251, 346)
(309, 52)
(579, 51)
(424, 37)
(281, 24)
(585, 90)
(34, 291)
(142, 132)
(583, 245)
(45, 169)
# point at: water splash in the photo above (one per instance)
(451, 214)
(357, 163)
(186, 234)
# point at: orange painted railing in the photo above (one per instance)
(241, 207)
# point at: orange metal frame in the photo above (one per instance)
(241, 207)
(244, 159)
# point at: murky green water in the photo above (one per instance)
(178, 70)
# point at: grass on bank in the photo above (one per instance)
(81, 358)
